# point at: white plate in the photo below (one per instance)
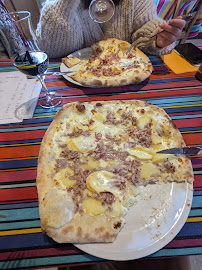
(151, 223)
(83, 54)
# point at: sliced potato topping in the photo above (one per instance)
(93, 206)
(99, 117)
(94, 126)
(81, 144)
(64, 174)
(149, 170)
(116, 70)
(68, 182)
(141, 152)
(91, 164)
(143, 120)
(160, 143)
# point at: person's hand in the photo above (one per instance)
(170, 32)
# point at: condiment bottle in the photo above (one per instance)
(198, 74)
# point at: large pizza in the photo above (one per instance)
(92, 160)
(109, 65)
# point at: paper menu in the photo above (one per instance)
(18, 97)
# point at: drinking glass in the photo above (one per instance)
(101, 10)
(29, 59)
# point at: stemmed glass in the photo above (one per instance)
(101, 10)
(29, 59)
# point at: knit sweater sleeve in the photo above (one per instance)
(58, 31)
(146, 26)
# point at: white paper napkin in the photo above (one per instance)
(18, 97)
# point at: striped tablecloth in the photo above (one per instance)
(22, 244)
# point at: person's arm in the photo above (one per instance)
(58, 31)
(147, 29)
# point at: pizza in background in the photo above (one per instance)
(110, 66)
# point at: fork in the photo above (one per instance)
(135, 43)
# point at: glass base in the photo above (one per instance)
(50, 100)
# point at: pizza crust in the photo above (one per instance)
(87, 229)
(56, 212)
(135, 78)
(54, 200)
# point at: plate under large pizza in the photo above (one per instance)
(97, 159)
(106, 64)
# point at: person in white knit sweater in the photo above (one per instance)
(65, 26)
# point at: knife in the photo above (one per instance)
(58, 73)
(190, 151)
(53, 74)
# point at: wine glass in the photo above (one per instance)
(29, 59)
(101, 10)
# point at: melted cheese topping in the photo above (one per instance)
(104, 181)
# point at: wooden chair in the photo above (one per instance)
(193, 17)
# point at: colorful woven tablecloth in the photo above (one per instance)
(22, 244)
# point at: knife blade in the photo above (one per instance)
(189, 151)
